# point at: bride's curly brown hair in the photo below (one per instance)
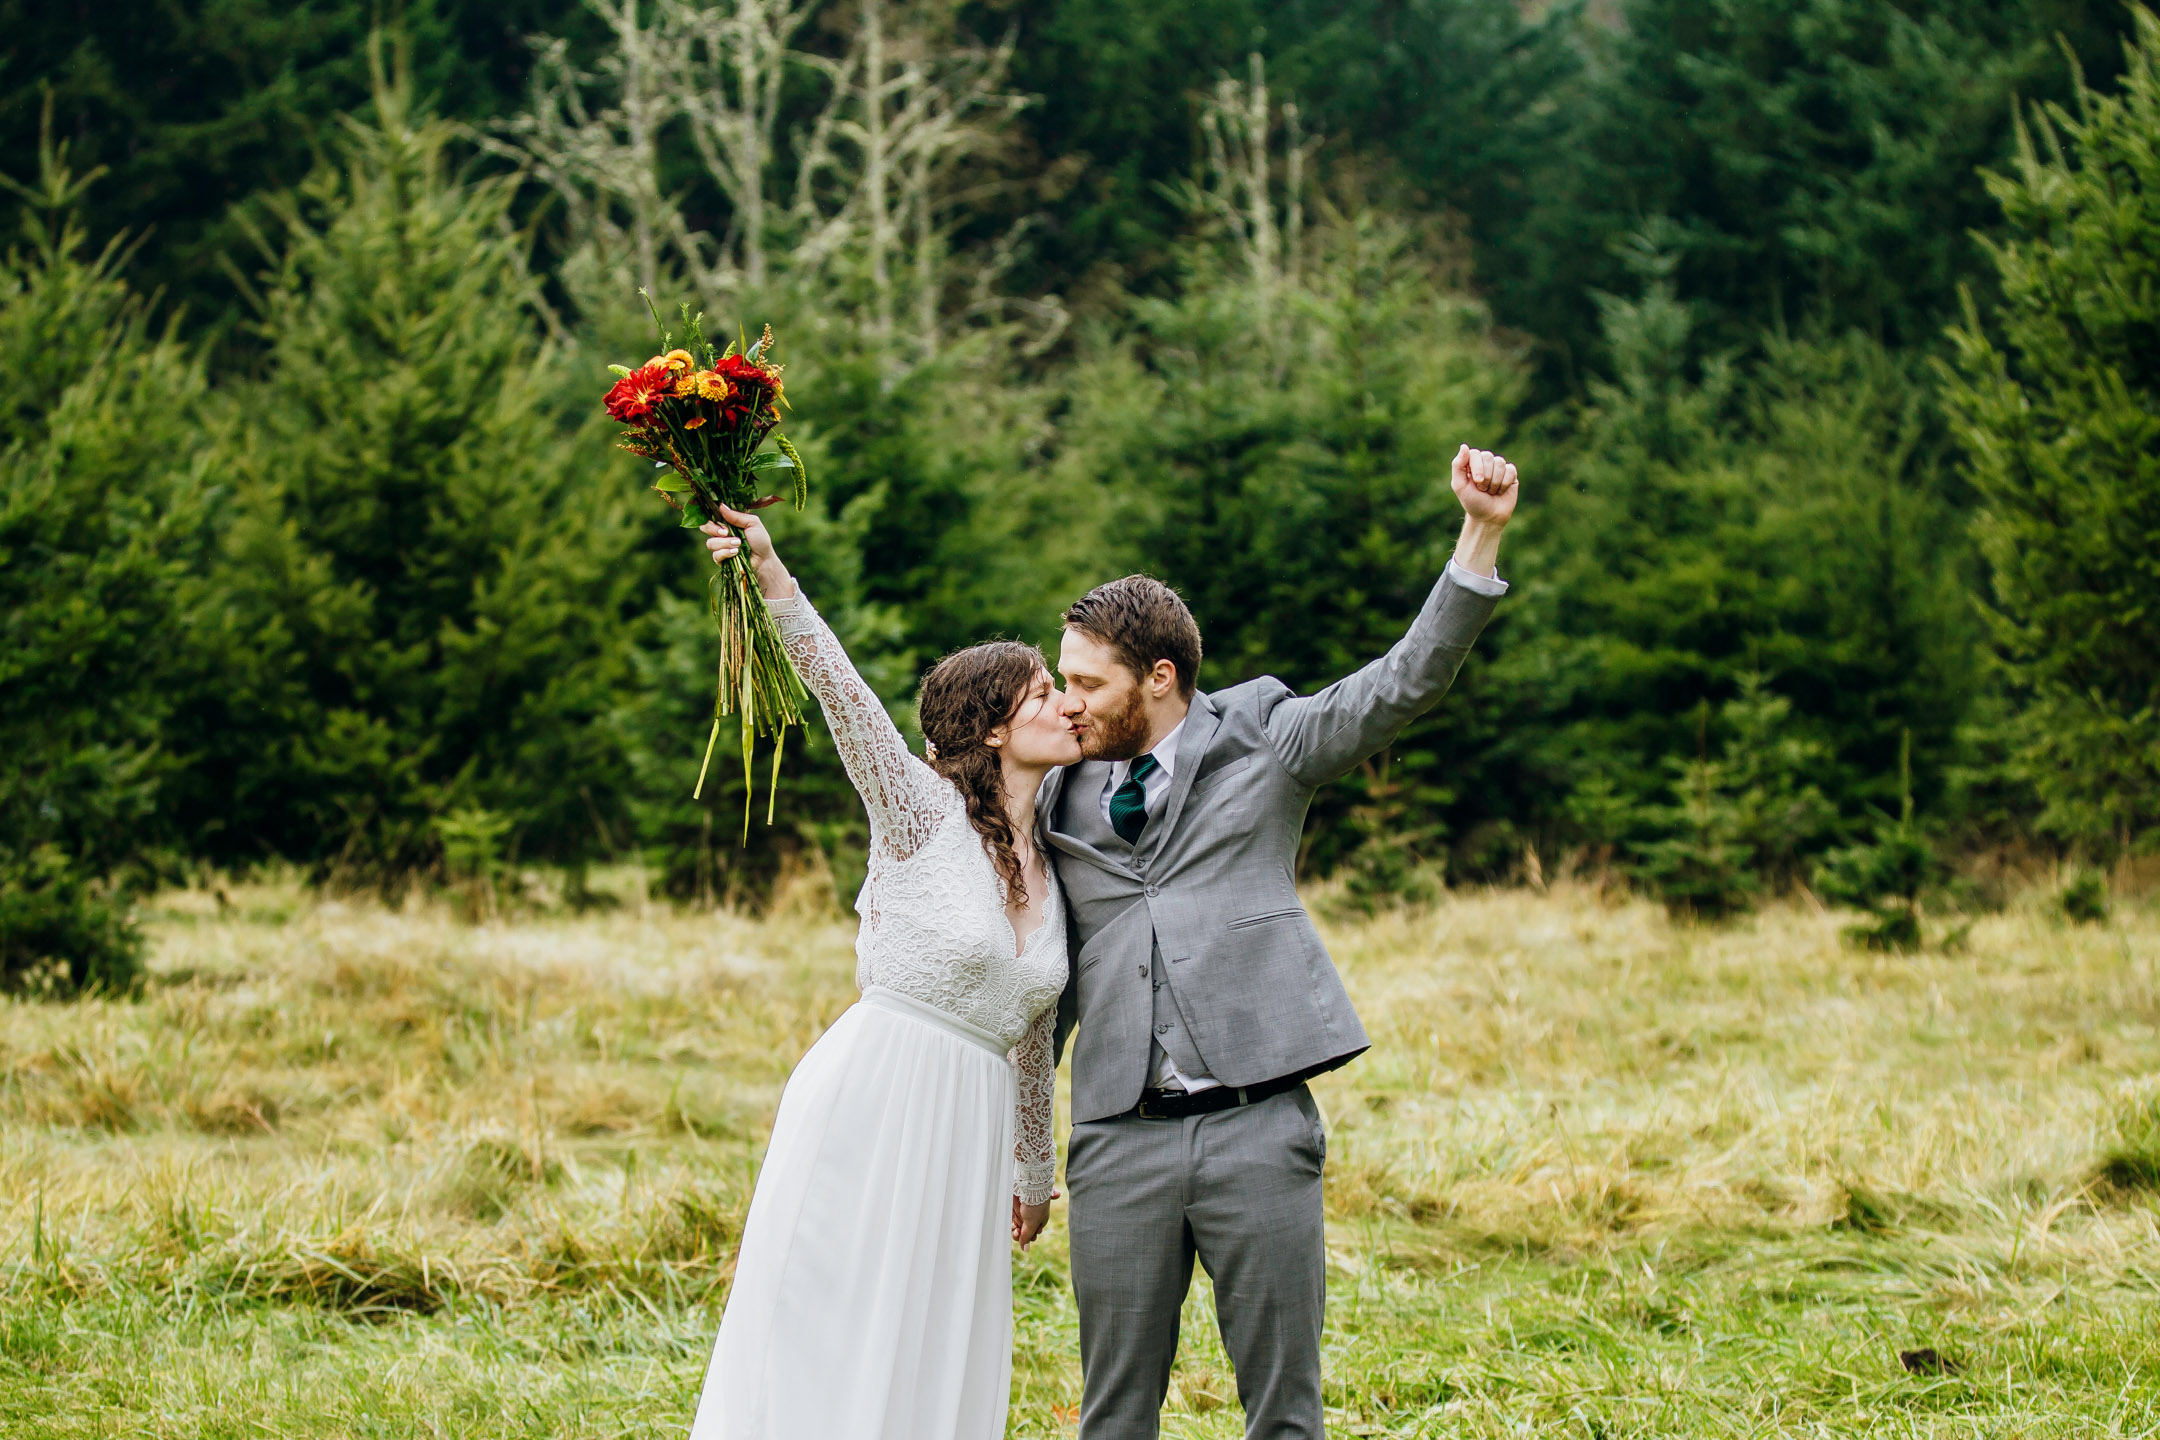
(964, 697)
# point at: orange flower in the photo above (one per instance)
(693, 422)
(673, 360)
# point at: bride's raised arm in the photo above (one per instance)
(906, 799)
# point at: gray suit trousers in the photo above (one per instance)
(1239, 1190)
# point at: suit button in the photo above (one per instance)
(1162, 1029)
(1153, 891)
(1143, 972)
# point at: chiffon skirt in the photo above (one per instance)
(873, 1290)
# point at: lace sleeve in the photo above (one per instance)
(906, 799)
(1035, 1067)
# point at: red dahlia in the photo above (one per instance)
(750, 387)
(635, 394)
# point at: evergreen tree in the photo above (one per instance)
(427, 575)
(2058, 399)
(1884, 875)
(195, 106)
(102, 525)
(1465, 98)
(1699, 522)
(1816, 161)
(1740, 821)
(1283, 454)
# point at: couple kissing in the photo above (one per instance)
(1110, 867)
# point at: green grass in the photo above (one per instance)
(342, 1171)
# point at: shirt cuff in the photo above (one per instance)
(1476, 584)
(1033, 1181)
(792, 614)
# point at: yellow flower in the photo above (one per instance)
(709, 385)
(673, 360)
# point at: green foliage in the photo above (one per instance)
(1701, 522)
(1815, 161)
(972, 521)
(61, 931)
(1884, 875)
(2132, 1164)
(1466, 98)
(194, 107)
(1739, 823)
(2057, 398)
(1699, 869)
(371, 594)
(2084, 901)
(472, 853)
(423, 588)
(102, 526)
(1282, 462)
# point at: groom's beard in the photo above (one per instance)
(1116, 736)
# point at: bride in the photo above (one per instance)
(873, 1288)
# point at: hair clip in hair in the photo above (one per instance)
(929, 747)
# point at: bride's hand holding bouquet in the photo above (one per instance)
(740, 529)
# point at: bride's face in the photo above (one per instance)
(1038, 733)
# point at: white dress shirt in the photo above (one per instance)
(1475, 583)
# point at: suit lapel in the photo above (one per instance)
(1079, 787)
(1201, 722)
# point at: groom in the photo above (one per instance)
(1203, 997)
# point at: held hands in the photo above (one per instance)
(1487, 487)
(1029, 1220)
(773, 577)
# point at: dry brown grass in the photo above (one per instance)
(1599, 1174)
(1556, 1071)
(366, 1105)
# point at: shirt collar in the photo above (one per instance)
(1165, 751)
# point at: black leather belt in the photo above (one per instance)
(1178, 1104)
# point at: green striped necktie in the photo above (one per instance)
(1128, 808)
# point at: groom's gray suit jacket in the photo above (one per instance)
(1207, 899)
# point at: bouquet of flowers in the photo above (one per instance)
(702, 416)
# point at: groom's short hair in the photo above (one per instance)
(1142, 620)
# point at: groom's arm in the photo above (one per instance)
(1322, 737)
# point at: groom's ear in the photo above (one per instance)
(1162, 678)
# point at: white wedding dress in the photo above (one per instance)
(873, 1288)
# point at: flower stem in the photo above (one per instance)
(710, 741)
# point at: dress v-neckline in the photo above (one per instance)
(1020, 946)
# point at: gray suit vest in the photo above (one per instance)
(1166, 1025)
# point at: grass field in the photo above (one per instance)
(344, 1171)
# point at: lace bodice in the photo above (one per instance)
(933, 907)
